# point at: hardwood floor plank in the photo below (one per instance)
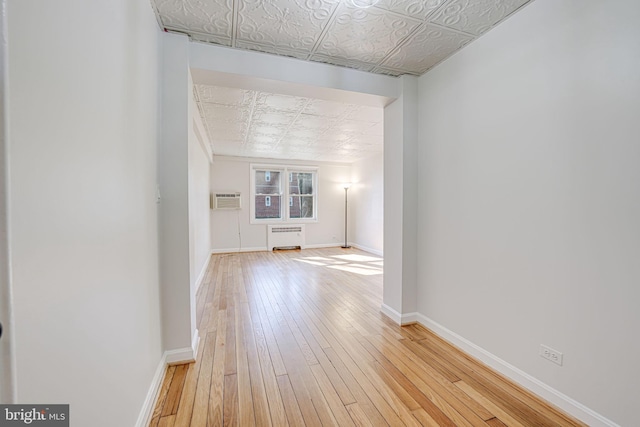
(359, 417)
(203, 386)
(258, 391)
(246, 415)
(215, 408)
(230, 404)
(230, 367)
(512, 422)
(297, 338)
(168, 421)
(442, 385)
(185, 407)
(175, 391)
(335, 404)
(424, 418)
(162, 396)
(294, 414)
(495, 422)
(300, 376)
(496, 388)
(455, 410)
(276, 407)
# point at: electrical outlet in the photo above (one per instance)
(550, 354)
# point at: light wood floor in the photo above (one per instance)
(296, 338)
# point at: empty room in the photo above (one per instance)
(328, 212)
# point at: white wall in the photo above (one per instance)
(178, 298)
(199, 222)
(401, 203)
(7, 371)
(83, 79)
(529, 197)
(366, 204)
(232, 230)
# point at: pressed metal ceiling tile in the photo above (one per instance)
(270, 102)
(324, 108)
(268, 129)
(415, 8)
(262, 139)
(366, 35)
(342, 62)
(224, 95)
(218, 113)
(273, 118)
(426, 48)
(210, 38)
(374, 39)
(261, 124)
(306, 121)
(276, 50)
(200, 16)
(293, 24)
(476, 16)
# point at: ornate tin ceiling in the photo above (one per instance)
(392, 37)
(250, 123)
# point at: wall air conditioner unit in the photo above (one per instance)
(225, 201)
(285, 236)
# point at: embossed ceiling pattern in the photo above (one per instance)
(393, 37)
(251, 123)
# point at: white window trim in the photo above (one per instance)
(284, 170)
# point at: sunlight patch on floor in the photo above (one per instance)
(357, 258)
(364, 270)
(358, 264)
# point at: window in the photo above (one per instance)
(301, 190)
(267, 194)
(270, 191)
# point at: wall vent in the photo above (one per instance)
(285, 236)
(225, 201)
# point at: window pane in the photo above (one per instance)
(272, 186)
(301, 183)
(263, 211)
(302, 207)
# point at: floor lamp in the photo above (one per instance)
(346, 189)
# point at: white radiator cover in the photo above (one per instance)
(285, 236)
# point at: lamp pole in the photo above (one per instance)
(346, 188)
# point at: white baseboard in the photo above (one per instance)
(236, 250)
(186, 354)
(367, 249)
(322, 245)
(169, 357)
(149, 402)
(195, 343)
(400, 319)
(391, 313)
(203, 272)
(536, 386)
(315, 246)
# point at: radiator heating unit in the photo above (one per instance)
(285, 236)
